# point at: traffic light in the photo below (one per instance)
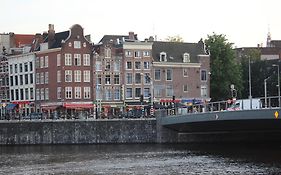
(141, 98)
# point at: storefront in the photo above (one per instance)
(78, 110)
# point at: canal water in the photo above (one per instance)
(141, 159)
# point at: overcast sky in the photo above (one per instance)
(244, 22)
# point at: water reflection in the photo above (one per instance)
(141, 159)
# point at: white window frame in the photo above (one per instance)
(68, 59)
(77, 44)
(68, 76)
(86, 60)
(77, 76)
(58, 59)
(87, 92)
(68, 92)
(77, 92)
(86, 76)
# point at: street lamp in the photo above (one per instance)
(265, 92)
(250, 84)
(277, 65)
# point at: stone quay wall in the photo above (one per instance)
(78, 131)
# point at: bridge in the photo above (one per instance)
(262, 125)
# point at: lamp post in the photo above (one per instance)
(278, 75)
(265, 92)
(250, 84)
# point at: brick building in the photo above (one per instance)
(64, 73)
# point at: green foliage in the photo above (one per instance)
(175, 38)
(224, 69)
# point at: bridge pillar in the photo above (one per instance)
(164, 135)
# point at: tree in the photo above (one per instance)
(224, 69)
(175, 38)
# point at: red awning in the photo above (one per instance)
(169, 100)
(77, 106)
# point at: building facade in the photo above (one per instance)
(63, 74)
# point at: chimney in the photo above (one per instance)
(51, 35)
(131, 36)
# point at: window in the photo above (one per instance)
(42, 78)
(107, 53)
(185, 73)
(77, 44)
(129, 78)
(137, 92)
(117, 93)
(107, 79)
(86, 76)
(42, 94)
(129, 93)
(157, 74)
(31, 93)
(21, 94)
(147, 78)
(58, 76)
(46, 77)
(16, 80)
(46, 61)
(129, 65)
(128, 53)
(138, 78)
(37, 78)
(107, 66)
(12, 95)
(86, 59)
(16, 68)
(68, 92)
(41, 62)
(117, 66)
(146, 92)
(169, 90)
(116, 79)
(98, 66)
(17, 94)
(31, 78)
(87, 92)
(47, 94)
(99, 79)
(26, 79)
(169, 75)
(146, 53)
(11, 69)
(25, 67)
(58, 59)
(77, 59)
(163, 56)
(186, 58)
(98, 93)
(20, 67)
(37, 94)
(77, 93)
(58, 92)
(30, 66)
(68, 76)
(185, 88)
(203, 91)
(146, 65)
(21, 79)
(137, 65)
(203, 75)
(11, 80)
(107, 94)
(137, 54)
(77, 76)
(68, 59)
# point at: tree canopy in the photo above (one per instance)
(225, 71)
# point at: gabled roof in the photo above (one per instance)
(175, 50)
(275, 43)
(58, 39)
(113, 38)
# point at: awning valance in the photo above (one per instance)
(77, 105)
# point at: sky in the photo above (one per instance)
(245, 23)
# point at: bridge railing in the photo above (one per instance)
(269, 102)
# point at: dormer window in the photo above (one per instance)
(186, 58)
(163, 57)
